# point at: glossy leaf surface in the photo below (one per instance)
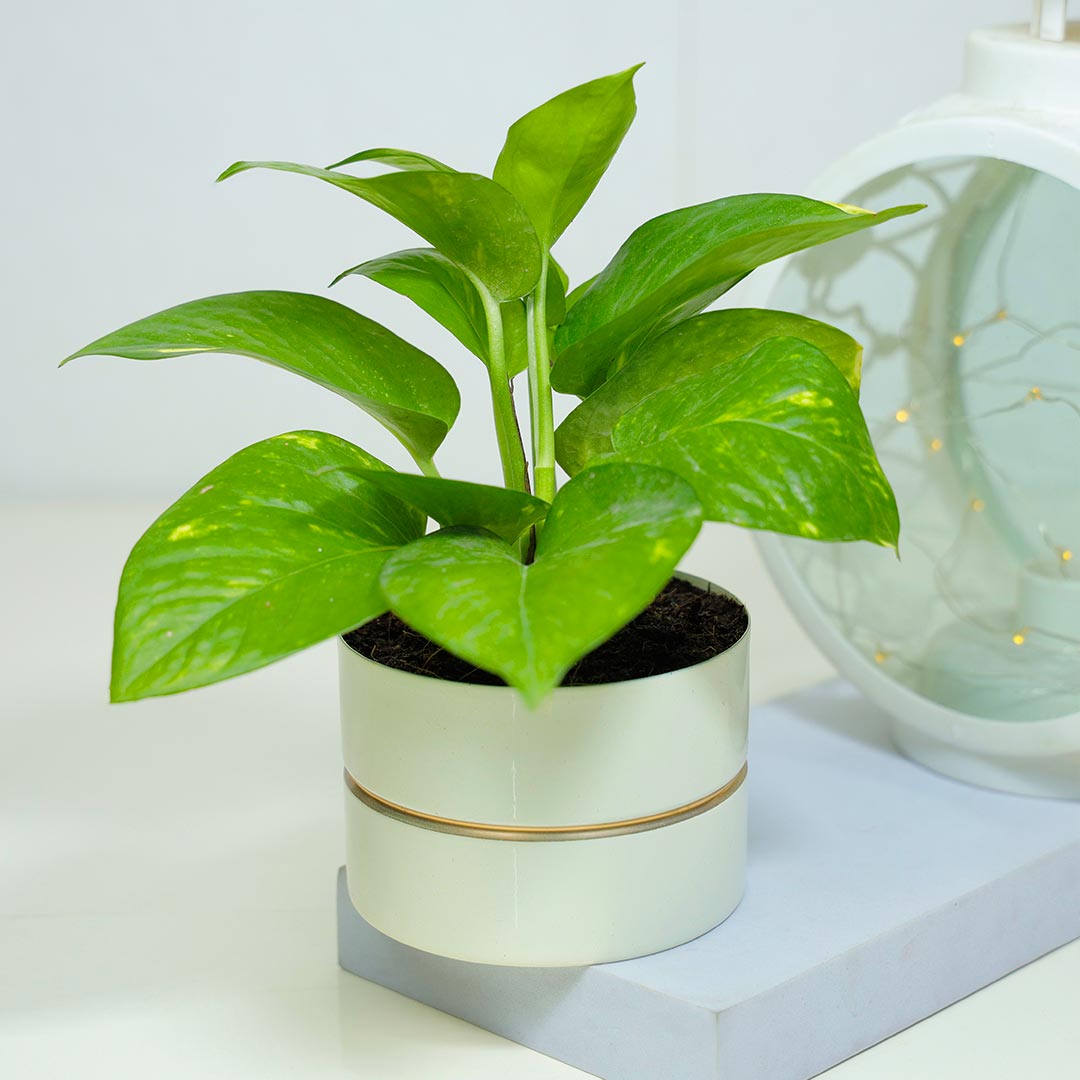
(772, 440)
(443, 290)
(405, 160)
(473, 221)
(612, 539)
(503, 511)
(555, 155)
(277, 548)
(578, 291)
(403, 388)
(693, 347)
(677, 264)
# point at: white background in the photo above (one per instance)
(115, 117)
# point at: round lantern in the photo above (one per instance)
(969, 314)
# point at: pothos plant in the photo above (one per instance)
(741, 415)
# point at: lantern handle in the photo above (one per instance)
(1048, 19)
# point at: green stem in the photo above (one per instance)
(507, 432)
(427, 466)
(541, 413)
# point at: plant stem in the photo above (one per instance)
(541, 413)
(427, 466)
(507, 432)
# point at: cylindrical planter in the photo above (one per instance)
(608, 823)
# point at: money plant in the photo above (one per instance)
(737, 415)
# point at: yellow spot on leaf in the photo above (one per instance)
(662, 550)
(848, 208)
(311, 442)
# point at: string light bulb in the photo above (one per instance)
(902, 416)
(959, 340)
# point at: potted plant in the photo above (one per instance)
(528, 823)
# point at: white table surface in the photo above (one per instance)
(167, 868)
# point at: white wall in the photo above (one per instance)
(116, 115)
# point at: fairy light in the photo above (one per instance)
(1066, 555)
(1034, 394)
(959, 339)
(1020, 636)
(902, 416)
(978, 505)
(936, 445)
(880, 656)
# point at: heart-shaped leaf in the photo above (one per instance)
(503, 511)
(555, 155)
(677, 264)
(406, 160)
(473, 221)
(693, 347)
(277, 548)
(612, 539)
(442, 289)
(403, 388)
(771, 440)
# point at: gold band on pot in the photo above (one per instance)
(483, 831)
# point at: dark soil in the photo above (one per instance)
(683, 626)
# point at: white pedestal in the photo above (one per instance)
(878, 893)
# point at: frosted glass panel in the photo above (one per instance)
(970, 317)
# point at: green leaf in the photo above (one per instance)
(555, 155)
(473, 221)
(503, 511)
(555, 294)
(403, 388)
(277, 548)
(677, 264)
(437, 286)
(771, 440)
(406, 160)
(612, 539)
(442, 289)
(693, 347)
(515, 336)
(578, 291)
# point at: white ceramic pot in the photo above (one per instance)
(608, 823)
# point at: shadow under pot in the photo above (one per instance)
(608, 823)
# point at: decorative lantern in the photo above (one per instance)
(970, 318)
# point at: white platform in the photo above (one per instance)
(879, 893)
